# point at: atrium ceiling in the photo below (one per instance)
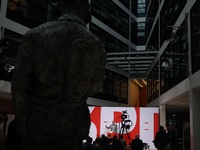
(135, 64)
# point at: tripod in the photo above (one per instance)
(124, 128)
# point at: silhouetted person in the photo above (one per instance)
(59, 64)
(137, 143)
(122, 141)
(97, 144)
(88, 144)
(162, 139)
(105, 145)
(116, 143)
(173, 138)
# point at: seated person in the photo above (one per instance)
(137, 143)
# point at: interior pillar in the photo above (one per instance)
(162, 109)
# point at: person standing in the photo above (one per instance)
(59, 64)
(161, 139)
(88, 144)
(122, 141)
(173, 138)
(112, 127)
(116, 145)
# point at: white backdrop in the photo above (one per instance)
(142, 121)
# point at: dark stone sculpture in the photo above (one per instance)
(59, 64)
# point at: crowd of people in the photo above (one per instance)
(105, 143)
(164, 140)
(113, 143)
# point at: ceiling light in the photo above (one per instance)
(138, 83)
(144, 81)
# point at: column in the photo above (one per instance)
(194, 119)
(194, 101)
(162, 109)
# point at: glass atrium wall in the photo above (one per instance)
(115, 88)
(174, 68)
(126, 3)
(151, 15)
(111, 43)
(152, 45)
(134, 7)
(141, 33)
(30, 13)
(153, 84)
(195, 37)
(141, 10)
(175, 55)
(111, 15)
(168, 16)
(174, 59)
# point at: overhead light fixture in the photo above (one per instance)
(8, 68)
(168, 64)
(144, 81)
(140, 85)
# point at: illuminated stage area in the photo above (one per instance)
(128, 120)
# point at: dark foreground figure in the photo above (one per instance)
(162, 139)
(60, 63)
(137, 143)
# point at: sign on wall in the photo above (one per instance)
(129, 121)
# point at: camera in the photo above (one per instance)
(126, 123)
(124, 116)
